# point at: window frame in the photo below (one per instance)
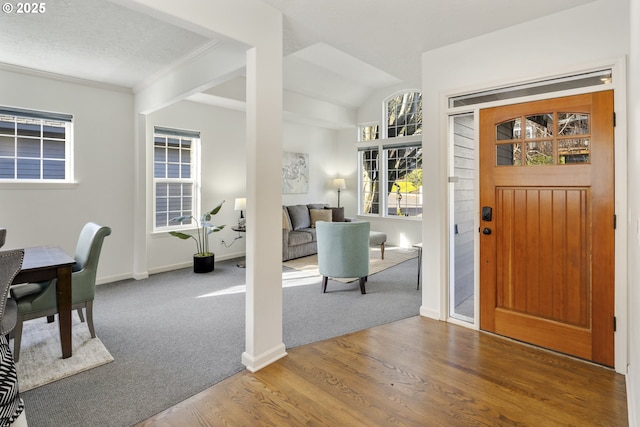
(382, 144)
(194, 180)
(385, 114)
(60, 119)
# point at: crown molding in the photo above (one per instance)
(63, 78)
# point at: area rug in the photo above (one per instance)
(392, 256)
(41, 359)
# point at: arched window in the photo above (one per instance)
(404, 114)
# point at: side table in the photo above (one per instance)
(241, 264)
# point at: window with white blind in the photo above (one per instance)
(175, 176)
(35, 146)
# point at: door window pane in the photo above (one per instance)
(573, 124)
(575, 150)
(539, 126)
(539, 153)
(462, 230)
(509, 130)
(509, 154)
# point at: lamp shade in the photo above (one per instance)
(339, 184)
(240, 204)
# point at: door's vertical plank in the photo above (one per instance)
(546, 253)
(520, 245)
(533, 258)
(574, 266)
(558, 236)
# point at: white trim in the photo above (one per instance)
(619, 85)
(64, 78)
(632, 400)
(254, 364)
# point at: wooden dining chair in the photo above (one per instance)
(39, 299)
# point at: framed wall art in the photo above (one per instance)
(295, 173)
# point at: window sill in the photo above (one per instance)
(393, 218)
(35, 185)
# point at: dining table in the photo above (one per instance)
(44, 263)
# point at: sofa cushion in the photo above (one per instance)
(300, 238)
(286, 221)
(319, 215)
(337, 214)
(299, 215)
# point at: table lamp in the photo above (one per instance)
(241, 205)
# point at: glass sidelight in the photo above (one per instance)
(462, 191)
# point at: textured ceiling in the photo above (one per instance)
(335, 50)
(95, 40)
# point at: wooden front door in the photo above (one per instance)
(547, 224)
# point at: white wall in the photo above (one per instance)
(488, 61)
(320, 144)
(103, 140)
(223, 175)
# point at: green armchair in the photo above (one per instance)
(39, 299)
(343, 251)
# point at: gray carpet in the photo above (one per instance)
(168, 344)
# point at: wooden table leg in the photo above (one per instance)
(63, 296)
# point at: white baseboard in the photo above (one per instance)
(632, 399)
(432, 314)
(254, 364)
(116, 278)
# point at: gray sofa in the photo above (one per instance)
(298, 228)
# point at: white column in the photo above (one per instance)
(264, 217)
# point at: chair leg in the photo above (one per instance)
(17, 339)
(80, 315)
(89, 309)
(382, 250)
(362, 287)
(325, 279)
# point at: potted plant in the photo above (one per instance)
(203, 259)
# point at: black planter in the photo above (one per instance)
(203, 264)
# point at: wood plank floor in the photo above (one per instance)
(414, 372)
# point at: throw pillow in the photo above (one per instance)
(299, 215)
(319, 215)
(286, 222)
(337, 214)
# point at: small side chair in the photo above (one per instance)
(10, 265)
(343, 251)
(39, 299)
